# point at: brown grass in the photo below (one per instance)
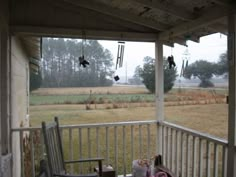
(94, 90)
(192, 109)
(211, 118)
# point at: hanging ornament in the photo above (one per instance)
(182, 69)
(120, 54)
(171, 61)
(82, 61)
(186, 57)
(186, 65)
(117, 78)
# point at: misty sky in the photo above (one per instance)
(209, 48)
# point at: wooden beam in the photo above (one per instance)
(5, 99)
(90, 14)
(209, 17)
(159, 79)
(124, 15)
(222, 3)
(231, 160)
(159, 90)
(1, 144)
(169, 44)
(167, 8)
(91, 34)
(218, 27)
(180, 41)
(194, 38)
(4, 14)
(78, 33)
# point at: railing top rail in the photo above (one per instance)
(112, 124)
(195, 133)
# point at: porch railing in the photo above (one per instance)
(185, 152)
(190, 153)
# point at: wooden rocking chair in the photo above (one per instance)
(55, 158)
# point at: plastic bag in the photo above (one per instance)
(141, 168)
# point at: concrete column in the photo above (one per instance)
(159, 79)
(231, 163)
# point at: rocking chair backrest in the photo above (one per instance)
(53, 147)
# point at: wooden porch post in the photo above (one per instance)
(5, 104)
(159, 79)
(5, 151)
(5, 123)
(231, 163)
(0, 116)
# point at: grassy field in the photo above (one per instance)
(119, 104)
(86, 98)
(88, 90)
(118, 94)
(131, 103)
(211, 118)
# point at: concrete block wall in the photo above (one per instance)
(19, 97)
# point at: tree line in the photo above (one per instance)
(60, 66)
(201, 69)
(146, 74)
(205, 70)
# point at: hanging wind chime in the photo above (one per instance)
(82, 61)
(120, 56)
(185, 59)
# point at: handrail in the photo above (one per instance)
(191, 144)
(164, 123)
(194, 133)
(103, 136)
(112, 124)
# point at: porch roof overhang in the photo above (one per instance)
(171, 21)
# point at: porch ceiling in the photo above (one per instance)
(172, 21)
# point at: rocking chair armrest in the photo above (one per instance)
(85, 160)
(68, 175)
(98, 159)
